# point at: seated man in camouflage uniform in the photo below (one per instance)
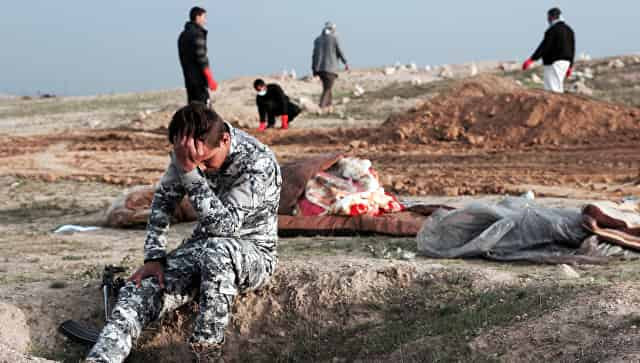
(233, 182)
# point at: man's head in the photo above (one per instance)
(198, 15)
(202, 123)
(329, 28)
(260, 87)
(553, 14)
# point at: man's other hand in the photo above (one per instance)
(527, 64)
(149, 269)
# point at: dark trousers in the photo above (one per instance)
(197, 94)
(292, 111)
(328, 79)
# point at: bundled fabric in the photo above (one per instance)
(514, 229)
(349, 188)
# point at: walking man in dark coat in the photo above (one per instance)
(192, 48)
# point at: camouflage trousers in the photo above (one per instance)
(219, 268)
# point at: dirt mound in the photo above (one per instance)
(496, 112)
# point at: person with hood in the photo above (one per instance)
(273, 102)
(557, 51)
(325, 63)
(192, 49)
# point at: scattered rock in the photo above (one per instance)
(616, 63)
(388, 71)
(416, 82)
(345, 100)
(446, 72)
(474, 69)
(359, 91)
(536, 79)
(584, 56)
(307, 105)
(474, 139)
(568, 273)
(451, 191)
(581, 88)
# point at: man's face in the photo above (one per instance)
(216, 154)
(201, 19)
(261, 89)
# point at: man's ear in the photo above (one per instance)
(226, 138)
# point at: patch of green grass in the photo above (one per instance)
(375, 246)
(72, 353)
(433, 321)
(122, 103)
(73, 258)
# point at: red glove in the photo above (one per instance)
(263, 126)
(527, 64)
(213, 85)
(569, 72)
(285, 121)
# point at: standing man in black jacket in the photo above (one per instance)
(557, 50)
(273, 102)
(192, 48)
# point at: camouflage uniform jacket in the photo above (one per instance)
(239, 201)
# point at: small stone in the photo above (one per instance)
(388, 71)
(616, 63)
(474, 69)
(568, 273)
(581, 88)
(451, 191)
(536, 79)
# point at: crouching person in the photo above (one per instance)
(273, 102)
(233, 182)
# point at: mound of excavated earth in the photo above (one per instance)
(496, 112)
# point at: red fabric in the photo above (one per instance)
(308, 208)
(263, 126)
(285, 121)
(213, 85)
(569, 72)
(527, 64)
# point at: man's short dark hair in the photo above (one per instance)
(258, 83)
(196, 120)
(195, 12)
(554, 13)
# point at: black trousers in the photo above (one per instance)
(328, 79)
(197, 94)
(292, 111)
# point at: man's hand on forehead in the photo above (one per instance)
(189, 152)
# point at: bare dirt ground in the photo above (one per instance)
(338, 299)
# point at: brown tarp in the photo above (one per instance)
(295, 176)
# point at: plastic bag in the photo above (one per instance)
(515, 228)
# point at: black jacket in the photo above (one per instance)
(559, 43)
(274, 103)
(192, 48)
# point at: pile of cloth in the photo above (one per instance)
(330, 195)
(349, 188)
(520, 229)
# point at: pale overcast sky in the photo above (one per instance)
(77, 47)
